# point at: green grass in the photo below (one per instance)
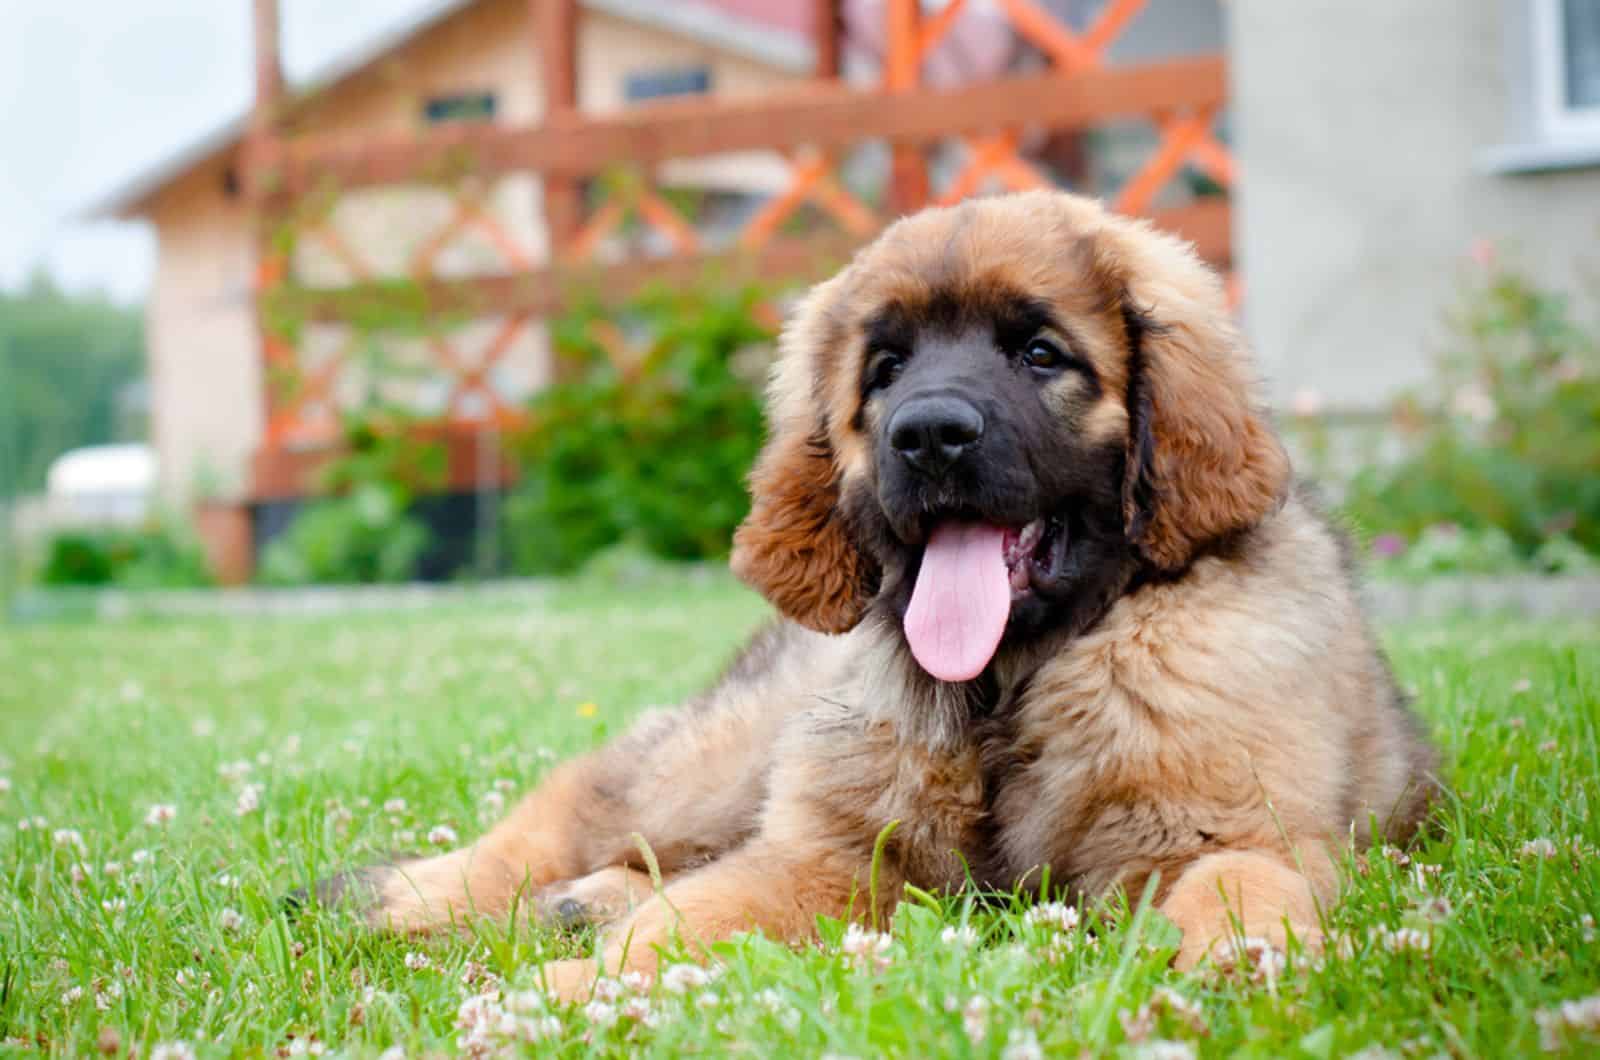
(444, 710)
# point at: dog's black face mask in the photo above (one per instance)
(993, 513)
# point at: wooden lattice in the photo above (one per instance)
(812, 129)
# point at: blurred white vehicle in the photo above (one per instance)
(102, 484)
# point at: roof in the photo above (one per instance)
(760, 30)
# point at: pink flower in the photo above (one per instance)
(1388, 545)
(1482, 252)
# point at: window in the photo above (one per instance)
(657, 84)
(461, 106)
(1566, 37)
(1553, 62)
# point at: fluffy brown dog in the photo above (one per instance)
(1052, 601)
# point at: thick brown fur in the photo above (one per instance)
(1221, 721)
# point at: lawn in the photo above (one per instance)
(164, 784)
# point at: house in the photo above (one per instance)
(467, 60)
(1377, 143)
(470, 61)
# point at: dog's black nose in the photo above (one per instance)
(931, 433)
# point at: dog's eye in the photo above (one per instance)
(883, 368)
(1042, 355)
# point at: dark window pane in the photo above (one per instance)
(654, 84)
(465, 106)
(1581, 32)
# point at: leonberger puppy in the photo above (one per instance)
(1051, 601)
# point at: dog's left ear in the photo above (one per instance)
(794, 547)
(1203, 461)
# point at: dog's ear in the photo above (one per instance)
(1203, 461)
(794, 547)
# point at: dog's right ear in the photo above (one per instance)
(794, 547)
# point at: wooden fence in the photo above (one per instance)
(812, 125)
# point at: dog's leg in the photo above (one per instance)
(599, 898)
(776, 889)
(688, 783)
(1257, 894)
(838, 780)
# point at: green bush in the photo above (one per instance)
(365, 533)
(1508, 437)
(648, 444)
(364, 537)
(154, 557)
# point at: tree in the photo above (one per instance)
(66, 364)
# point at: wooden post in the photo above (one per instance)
(269, 65)
(229, 537)
(555, 25)
(827, 16)
(908, 174)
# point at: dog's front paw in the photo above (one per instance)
(570, 980)
(356, 890)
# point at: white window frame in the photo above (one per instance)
(1558, 121)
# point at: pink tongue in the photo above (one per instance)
(961, 601)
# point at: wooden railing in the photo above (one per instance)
(811, 126)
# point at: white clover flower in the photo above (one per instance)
(1163, 1049)
(114, 905)
(172, 1051)
(1556, 1024)
(1265, 961)
(417, 962)
(1538, 848)
(107, 995)
(112, 869)
(600, 1013)
(80, 871)
(230, 920)
(608, 989)
(964, 935)
(249, 800)
(71, 996)
(639, 1010)
(1058, 915)
(1404, 940)
(5, 785)
(682, 978)
(160, 814)
(442, 835)
(68, 837)
(394, 806)
(233, 772)
(493, 802)
(868, 949)
(975, 1018)
(1022, 1044)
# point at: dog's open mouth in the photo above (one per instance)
(969, 577)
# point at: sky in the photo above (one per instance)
(94, 92)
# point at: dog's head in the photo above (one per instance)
(993, 417)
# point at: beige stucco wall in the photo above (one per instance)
(205, 359)
(1361, 127)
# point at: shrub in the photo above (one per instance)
(1514, 444)
(648, 445)
(365, 533)
(154, 557)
